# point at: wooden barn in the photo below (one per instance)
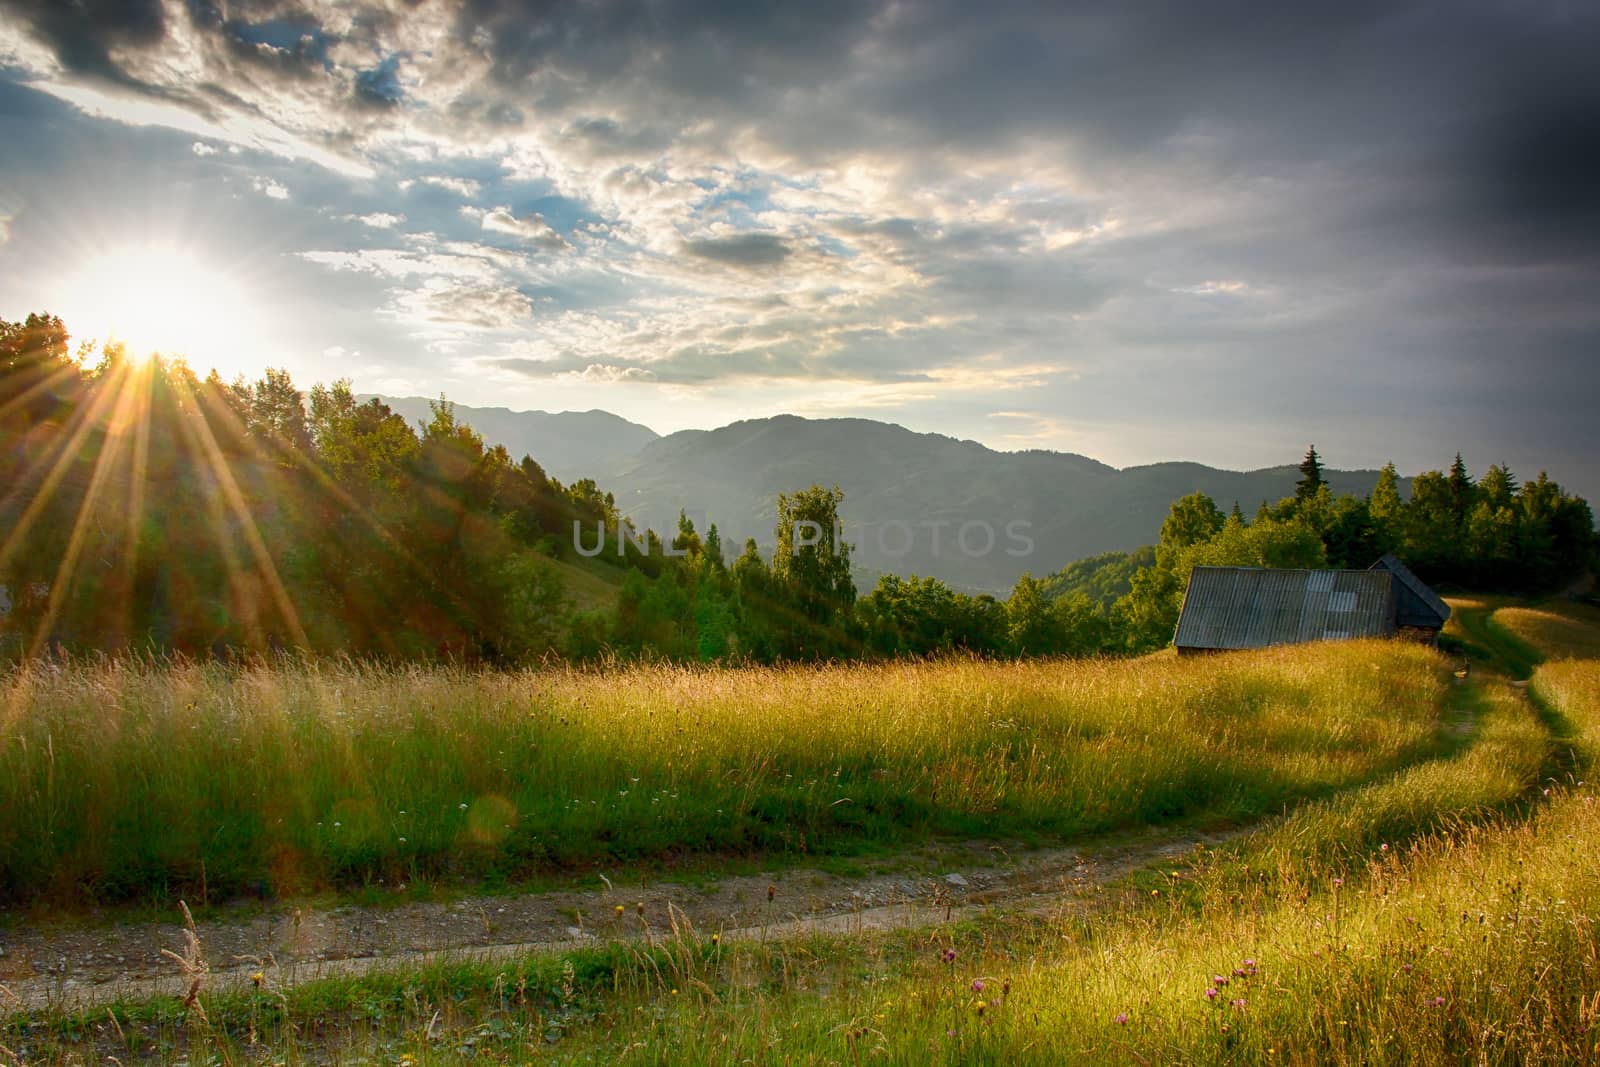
(1254, 607)
(1419, 613)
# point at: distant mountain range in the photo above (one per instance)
(913, 502)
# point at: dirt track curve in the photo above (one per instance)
(75, 966)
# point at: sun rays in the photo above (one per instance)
(113, 424)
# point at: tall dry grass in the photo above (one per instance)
(136, 780)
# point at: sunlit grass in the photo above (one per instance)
(1439, 910)
(126, 780)
(1557, 630)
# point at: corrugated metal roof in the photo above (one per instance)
(1253, 607)
(1415, 585)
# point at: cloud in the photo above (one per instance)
(200, 148)
(380, 220)
(461, 306)
(270, 188)
(906, 201)
(460, 186)
(744, 250)
(530, 228)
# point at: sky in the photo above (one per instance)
(1137, 231)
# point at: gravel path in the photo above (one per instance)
(62, 966)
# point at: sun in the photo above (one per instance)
(159, 298)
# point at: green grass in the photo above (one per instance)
(1432, 915)
(1435, 900)
(138, 782)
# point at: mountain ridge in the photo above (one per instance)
(915, 502)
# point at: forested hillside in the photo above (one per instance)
(147, 508)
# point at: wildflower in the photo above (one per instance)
(402, 840)
(716, 939)
(257, 978)
(620, 910)
(1121, 1019)
(1239, 1003)
(1219, 980)
(1338, 881)
(948, 955)
(772, 891)
(977, 985)
(1211, 994)
(980, 1006)
(461, 807)
(1384, 847)
(1438, 1002)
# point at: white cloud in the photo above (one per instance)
(461, 186)
(270, 188)
(200, 148)
(1223, 287)
(381, 220)
(530, 228)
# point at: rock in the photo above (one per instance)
(955, 879)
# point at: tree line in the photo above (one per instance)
(145, 507)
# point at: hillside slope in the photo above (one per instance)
(569, 445)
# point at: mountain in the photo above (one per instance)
(925, 503)
(915, 503)
(568, 444)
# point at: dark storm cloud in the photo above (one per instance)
(745, 250)
(83, 34)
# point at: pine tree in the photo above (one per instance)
(1310, 476)
(1461, 495)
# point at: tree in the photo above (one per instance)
(1387, 511)
(714, 547)
(1461, 495)
(1031, 623)
(1310, 475)
(1191, 520)
(812, 560)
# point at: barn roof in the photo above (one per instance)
(1253, 607)
(1418, 589)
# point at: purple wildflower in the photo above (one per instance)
(1122, 1018)
(1211, 994)
(977, 985)
(949, 955)
(1239, 1003)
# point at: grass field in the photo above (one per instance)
(1431, 895)
(141, 782)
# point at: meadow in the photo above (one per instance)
(141, 782)
(1418, 879)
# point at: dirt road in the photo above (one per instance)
(67, 966)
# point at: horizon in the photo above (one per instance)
(1287, 464)
(1121, 234)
